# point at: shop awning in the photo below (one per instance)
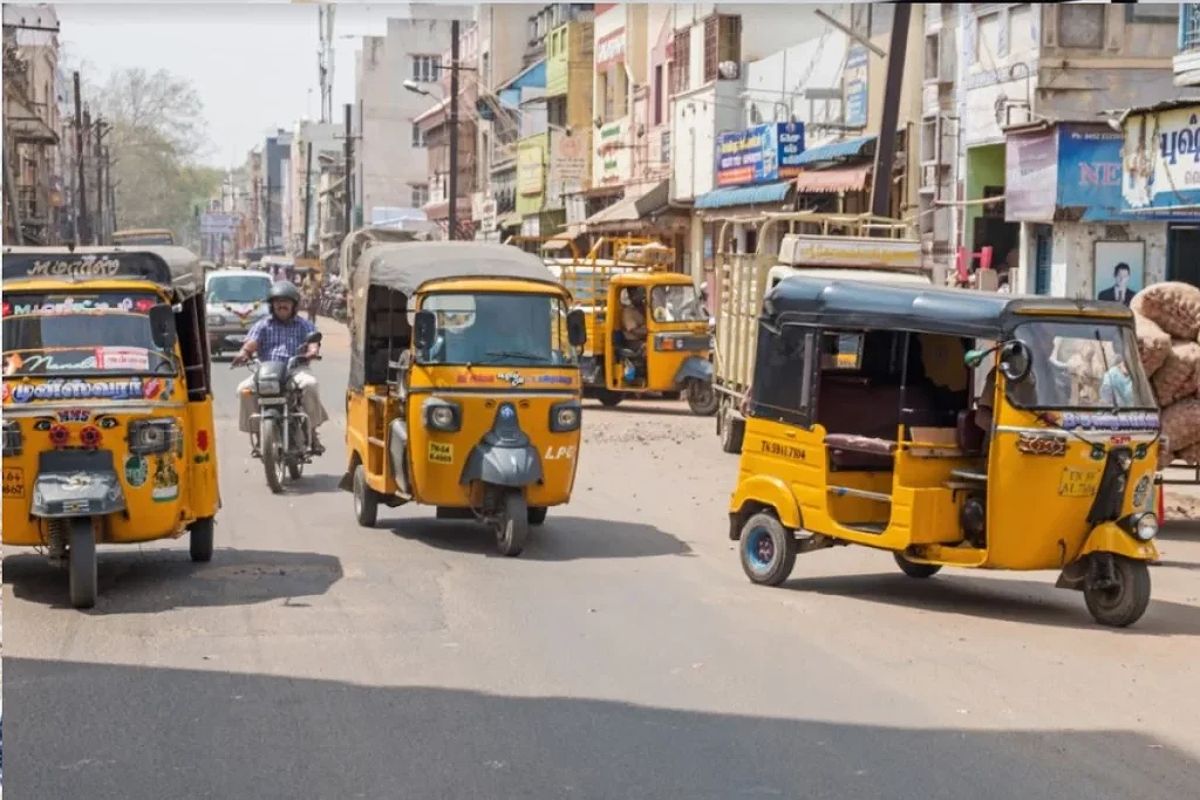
(847, 148)
(745, 195)
(632, 208)
(510, 220)
(841, 179)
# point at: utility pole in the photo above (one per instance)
(267, 206)
(110, 191)
(453, 218)
(885, 147)
(307, 198)
(99, 226)
(348, 152)
(82, 230)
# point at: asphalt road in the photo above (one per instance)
(624, 655)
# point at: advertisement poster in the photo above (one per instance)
(1162, 159)
(854, 87)
(1089, 175)
(1120, 270)
(762, 154)
(1030, 175)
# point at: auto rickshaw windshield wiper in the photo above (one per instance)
(515, 354)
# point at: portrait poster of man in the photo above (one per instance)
(1120, 270)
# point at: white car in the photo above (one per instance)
(236, 298)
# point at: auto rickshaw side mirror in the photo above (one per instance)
(314, 338)
(576, 327)
(162, 326)
(424, 330)
(1015, 361)
(974, 358)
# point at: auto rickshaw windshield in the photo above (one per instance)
(676, 304)
(64, 335)
(1081, 365)
(498, 328)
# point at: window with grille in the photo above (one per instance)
(680, 61)
(722, 42)
(425, 68)
(420, 195)
(1081, 25)
(418, 136)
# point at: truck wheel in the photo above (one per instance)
(1124, 603)
(768, 550)
(366, 500)
(512, 528)
(82, 551)
(702, 398)
(914, 569)
(200, 540)
(733, 431)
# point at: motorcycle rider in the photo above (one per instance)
(277, 338)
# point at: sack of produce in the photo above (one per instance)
(1153, 343)
(1179, 375)
(1181, 424)
(1173, 305)
(1188, 455)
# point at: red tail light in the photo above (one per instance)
(59, 435)
(90, 437)
(202, 441)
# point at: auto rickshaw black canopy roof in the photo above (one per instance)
(405, 266)
(174, 268)
(837, 303)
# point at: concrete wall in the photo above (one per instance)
(1073, 260)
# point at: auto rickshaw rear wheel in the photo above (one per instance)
(200, 540)
(82, 559)
(512, 524)
(915, 569)
(366, 501)
(768, 550)
(1125, 597)
(702, 398)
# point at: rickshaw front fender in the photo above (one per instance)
(761, 491)
(1108, 537)
(76, 483)
(502, 466)
(694, 368)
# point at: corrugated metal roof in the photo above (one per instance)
(745, 195)
(846, 148)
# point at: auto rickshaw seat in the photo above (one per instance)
(970, 435)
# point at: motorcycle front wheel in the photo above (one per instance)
(272, 455)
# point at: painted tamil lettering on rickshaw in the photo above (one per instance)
(80, 305)
(85, 267)
(90, 389)
(1109, 421)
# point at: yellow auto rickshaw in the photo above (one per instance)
(108, 418)
(649, 332)
(953, 428)
(464, 387)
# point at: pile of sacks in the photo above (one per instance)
(1168, 324)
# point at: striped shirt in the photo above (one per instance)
(279, 341)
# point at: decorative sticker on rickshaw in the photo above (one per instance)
(1078, 482)
(441, 453)
(1040, 444)
(512, 376)
(560, 380)
(474, 378)
(131, 358)
(36, 363)
(90, 389)
(79, 305)
(561, 453)
(166, 480)
(74, 415)
(1141, 495)
(14, 483)
(1106, 420)
(137, 471)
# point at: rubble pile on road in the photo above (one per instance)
(1168, 324)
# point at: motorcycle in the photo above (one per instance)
(279, 431)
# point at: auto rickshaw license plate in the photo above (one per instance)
(1078, 482)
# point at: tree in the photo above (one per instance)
(156, 139)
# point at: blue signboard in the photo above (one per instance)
(854, 86)
(1089, 173)
(762, 154)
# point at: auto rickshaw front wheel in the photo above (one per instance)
(768, 550)
(200, 540)
(512, 524)
(915, 569)
(537, 515)
(1121, 597)
(82, 563)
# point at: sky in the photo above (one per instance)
(253, 64)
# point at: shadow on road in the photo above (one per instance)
(559, 539)
(1032, 602)
(154, 733)
(320, 483)
(1180, 530)
(667, 408)
(151, 581)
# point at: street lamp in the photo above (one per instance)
(415, 87)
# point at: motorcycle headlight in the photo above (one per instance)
(267, 387)
(1146, 526)
(13, 438)
(151, 435)
(442, 415)
(565, 417)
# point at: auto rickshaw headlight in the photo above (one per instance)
(564, 417)
(442, 415)
(1146, 526)
(13, 438)
(151, 435)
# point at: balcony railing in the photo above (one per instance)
(1189, 27)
